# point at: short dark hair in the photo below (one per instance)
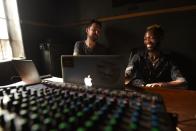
(94, 21)
(156, 29)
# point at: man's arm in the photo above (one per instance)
(174, 83)
(132, 73)
(177, 79)
(129, 68)
(76, 49)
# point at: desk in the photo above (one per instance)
(182, 102)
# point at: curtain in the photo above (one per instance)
(14, 44)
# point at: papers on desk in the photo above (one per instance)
(22, 83)
(54, 79)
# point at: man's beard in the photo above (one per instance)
(94, 37)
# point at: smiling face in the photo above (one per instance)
(93, 31)
(151, 40)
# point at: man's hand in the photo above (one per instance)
(159, 84)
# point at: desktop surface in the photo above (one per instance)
(181, 102)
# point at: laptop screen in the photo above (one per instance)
(27, 71)
(101, 71)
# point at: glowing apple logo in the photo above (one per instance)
(88, 81)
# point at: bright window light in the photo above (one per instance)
(3, 29)
(10, 30)
(2, 12)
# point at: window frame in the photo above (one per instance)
(14, 33)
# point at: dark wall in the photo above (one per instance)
(42, 24)
(8, 74)
(39, 24)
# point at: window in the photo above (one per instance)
(11, 45)
(5, 49)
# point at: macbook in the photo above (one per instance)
(99, 71)
(27, 71)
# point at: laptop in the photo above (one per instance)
(99, 71)
(27, 71)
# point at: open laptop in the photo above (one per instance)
(27, 71)
(100, 71)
